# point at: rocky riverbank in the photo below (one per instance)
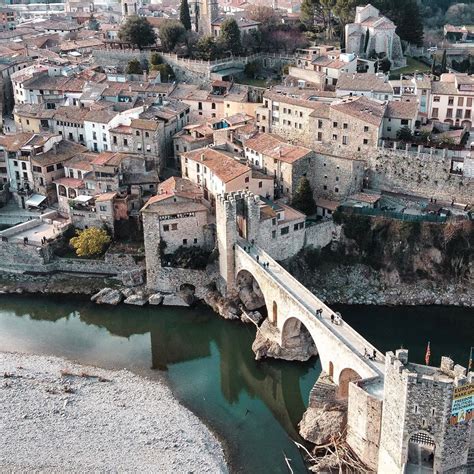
(58, 416)
(360, 284)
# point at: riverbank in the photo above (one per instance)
(61, 416)
(353, 285)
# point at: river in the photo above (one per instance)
(253, 406)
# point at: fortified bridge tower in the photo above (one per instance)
(400, 416)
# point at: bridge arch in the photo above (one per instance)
(346, 376)
(250, 292)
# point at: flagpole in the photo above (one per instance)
(469, 364)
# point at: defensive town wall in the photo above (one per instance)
(189, 70)
(420, 174)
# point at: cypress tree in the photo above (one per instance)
(303, 198)
(433, 66)
(184, 15)
(230, 35)
(444, 63)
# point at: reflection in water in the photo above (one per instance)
(254, 405)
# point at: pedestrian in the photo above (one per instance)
(332, 318)
(375, 354)
(365, 352)
(258, 258)
(252, 242)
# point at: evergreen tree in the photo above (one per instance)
(171, 33)
(138, 31)
(384, 64)
(303, 199)
(134, 67)
(433, 66)
(366, 40)
(444, 63)
(184, 15)
(307, 13)
(230, 36)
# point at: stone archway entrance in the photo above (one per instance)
(421, 452)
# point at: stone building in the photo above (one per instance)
(174, 218)
(373, 86)
(203, 14)
(218, 172)
(285, 162)
(372, 32)
(399, 114)
(416, 424)
(353, 123)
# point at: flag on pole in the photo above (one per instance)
(428, 354)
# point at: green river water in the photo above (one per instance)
(254, 407)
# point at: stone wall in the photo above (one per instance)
(364, 417)
(170, 280)
(321, 234)
(418, 174)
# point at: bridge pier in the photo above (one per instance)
(299, 347)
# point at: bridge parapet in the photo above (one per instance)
(339, 346)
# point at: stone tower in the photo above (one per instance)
(203, 13)
(237, 217)
(416, 416)
(130, 7)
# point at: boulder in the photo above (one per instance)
(320, 424)
(226, 308)
(267, 344)
(155, 299)
(255, 317)
(250, 299)
(126, 292)
(137, 300)
(174, 300)
(108, 296)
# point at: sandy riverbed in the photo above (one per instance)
(63, 417)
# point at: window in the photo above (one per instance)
(344, 140)
(366, 129)
(103, 208)
(435, 112)
(433, 411)
(260, 184)
(451, 101)
(337, 178)
(174, 226)
(274, 234)
(366, 141)
(284, 230)
(334, 137)
(320, 124)
(147, 134)
(336, 189)
(320, 137)
(137, 133)
(185, 241)
(195, 241)
(125, 142)
(334, 124)
(49, 169)
(37, 169)
(198, 168)
(23, 165)
(436, 98)
(247, 179)
(295, 227)
(59, 166)
(213, 106)
(460, 101)
(345, 126)
(389, 129)
(274, 221)
(94, 135)
(467, 114)
(469, 102)
(166, 227)
(104, 137)
(449, 113)
(404, 121)
(114, 140)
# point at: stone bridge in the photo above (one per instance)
(398, 412)
(290, 305)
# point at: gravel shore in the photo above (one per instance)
(57, 416)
